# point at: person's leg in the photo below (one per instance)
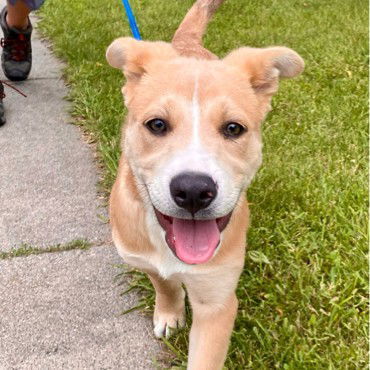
(17, 15)
(16, 59)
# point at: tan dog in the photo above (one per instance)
(191, 146)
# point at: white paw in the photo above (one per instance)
(167, 324)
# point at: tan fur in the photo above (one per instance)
(175, 82)
(188, 37)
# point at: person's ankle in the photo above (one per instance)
(20, 27)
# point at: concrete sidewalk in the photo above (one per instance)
(58, 310)
(63, 311)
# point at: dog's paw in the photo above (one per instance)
(165, 324)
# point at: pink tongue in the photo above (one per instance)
(195, 241)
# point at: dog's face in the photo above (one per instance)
(192, 136)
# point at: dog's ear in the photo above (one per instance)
(134, 56)
(264, 67)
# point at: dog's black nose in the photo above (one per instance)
(193, 191)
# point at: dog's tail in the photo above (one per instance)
(188, 37)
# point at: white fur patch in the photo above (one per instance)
(194, 158)
(195, 116)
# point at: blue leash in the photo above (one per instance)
(131, 20)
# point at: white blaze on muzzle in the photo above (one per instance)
(193, 236)
(194, 158)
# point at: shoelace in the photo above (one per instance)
(18, 47)
(2, 94)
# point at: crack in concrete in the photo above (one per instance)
(27, 250)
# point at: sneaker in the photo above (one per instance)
(16, 59)
(2, 112)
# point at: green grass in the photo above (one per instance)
(303, 293)
(26, 249)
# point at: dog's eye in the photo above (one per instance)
(233, 129)
(157, 126)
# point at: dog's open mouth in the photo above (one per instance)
(192, 241)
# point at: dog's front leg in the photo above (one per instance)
(210, 332)
(169, 312)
